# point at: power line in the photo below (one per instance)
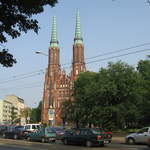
(116, 51)
(119, 56)
(120, 50)
(24, 85)
(21, 78)
(38, 72)
(38, 85)
(85, 63)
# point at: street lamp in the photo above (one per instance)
(39, 52)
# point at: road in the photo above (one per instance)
(117, 144)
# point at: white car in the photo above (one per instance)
(141, 136)
(32, 127)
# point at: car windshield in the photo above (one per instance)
(143, 130)
(57, 129)
(19, 127)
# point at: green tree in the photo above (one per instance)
(36, 113)
(16, 16)
(70, 113)
(25, 113)
(85, 95)
(144, 70)
(109, 98)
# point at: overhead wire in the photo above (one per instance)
(120, 50)
(41, 71)
(24, 85)
(118, 56)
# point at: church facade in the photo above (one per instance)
(58, 86)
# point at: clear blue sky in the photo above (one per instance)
(106, 26)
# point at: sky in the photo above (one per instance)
(106, 26)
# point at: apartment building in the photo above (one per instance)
(17, 102)
(10, 104)
(5, 112)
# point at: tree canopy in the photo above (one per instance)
(16, 16)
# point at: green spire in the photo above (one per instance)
(54, 40)
(78, 37)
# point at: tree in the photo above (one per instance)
(26, 113)
(6, 59)
(109, 98)
(36, 113)
(85, 96)
(15, 18)
(70, 113)
(144, 70)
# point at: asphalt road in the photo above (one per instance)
(117, 144)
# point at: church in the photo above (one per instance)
(58, 86)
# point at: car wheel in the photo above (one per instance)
(15, 136)
(43, 140)
(28, 138)
(130, 141)
(54, 141)
(65, 141)
(102, 145)
(88, 143)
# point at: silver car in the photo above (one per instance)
(141, 136)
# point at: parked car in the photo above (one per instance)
(59, 132)
(141, 136)
(14, 132)
(32, 127)
(87, 136)
(43, 135)
(3, 128)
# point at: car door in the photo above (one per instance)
(142, 135)
(34, 136)
(77, 137)
(73, 137)
(83, 136)
(38, 134)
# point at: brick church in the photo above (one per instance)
(58, 86)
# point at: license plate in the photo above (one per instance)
(106, 142)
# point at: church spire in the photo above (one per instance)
(54, 40)
(78, 38)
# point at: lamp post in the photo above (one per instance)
(51, 111)
(42, 53)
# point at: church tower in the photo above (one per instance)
(78, 64)
(51, 74)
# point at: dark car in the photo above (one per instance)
(59, 132)
(14, 132)
(88, 137)
(3, 128)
